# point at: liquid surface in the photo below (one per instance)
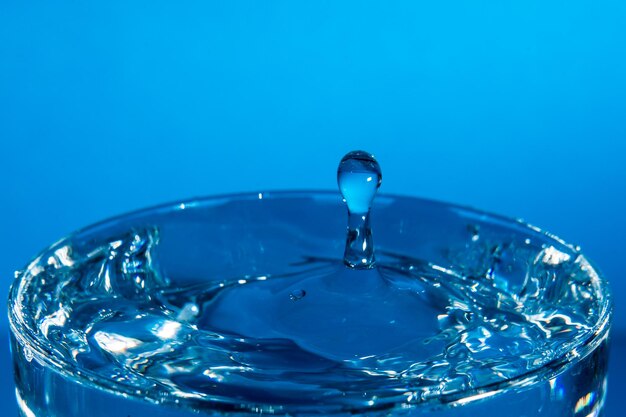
(321, 338)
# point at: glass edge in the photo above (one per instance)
(26, 337)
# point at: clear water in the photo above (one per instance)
(359, 176)
(241, 305)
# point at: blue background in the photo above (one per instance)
(513, 107)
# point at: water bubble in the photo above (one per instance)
(297, 295)
(359, 177)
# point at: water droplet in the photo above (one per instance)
(359, 177)
(474, 230)
(297, 295)
(188, 312)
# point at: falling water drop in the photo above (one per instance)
(359, 177)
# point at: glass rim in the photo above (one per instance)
(28, 338)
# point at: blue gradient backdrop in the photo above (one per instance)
(514, 107)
